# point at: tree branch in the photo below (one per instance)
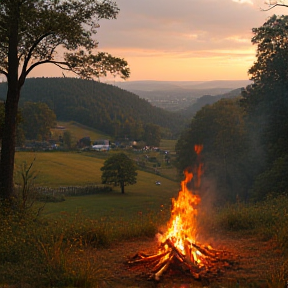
(27, 59)
(273, 6)
(57, 63)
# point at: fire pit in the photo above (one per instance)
(178, 246)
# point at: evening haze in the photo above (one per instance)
(184, 40)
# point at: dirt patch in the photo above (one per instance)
(254, 261)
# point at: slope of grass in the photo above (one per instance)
(61, 168)
(140, 199)
(56, 169)
(78, 131)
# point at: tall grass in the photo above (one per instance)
(266, 220)
(59, 252)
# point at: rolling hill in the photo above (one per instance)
(178, 95)
(104, 107)
(118, 112)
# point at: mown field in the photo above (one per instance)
(54, 169)
(77, 131)
(82, 168)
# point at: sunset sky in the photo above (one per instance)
(184, 40)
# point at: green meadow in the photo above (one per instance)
(56, 169)
(78, 131)
(55, 248)
(61, 169)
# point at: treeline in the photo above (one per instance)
(107, 108)
(245, 139)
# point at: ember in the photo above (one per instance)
(178, 245)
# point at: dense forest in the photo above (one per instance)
(206, 99)
(245, 138)
(107, 108)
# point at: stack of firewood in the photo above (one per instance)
(210, 262)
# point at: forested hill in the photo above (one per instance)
(191, 110)
(104, 107)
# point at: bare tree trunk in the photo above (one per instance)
(11, 108)
(8, 151)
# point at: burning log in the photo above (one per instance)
(179, 246)
(210, 262)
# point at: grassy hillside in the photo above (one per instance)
(76, 169)
(61, 169)
(144, 197)
(78, 131)
(104, 107)
(66, 168)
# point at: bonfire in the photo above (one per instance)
(178, 245)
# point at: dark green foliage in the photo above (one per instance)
(220, 128)
(246, 142)
(67, 139)
(152, 135)
(273, 181)
(37, 121)
(272, 55)
(191, 110)
(266, 103)
(119, 170)
(104, 107)
(30, 34)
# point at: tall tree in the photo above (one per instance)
(152, 134)
(266, 102)
(272, 52)
(37, 121)
(120, 170)
(221, 129)
(36, 32)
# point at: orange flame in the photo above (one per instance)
(182, 224)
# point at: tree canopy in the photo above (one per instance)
(37, 32)
(119, 170)
(220, 128)
(266, 102)
(102, 106)
(152, 134)
(45, 30)
(245, 140)
(37, 121)
(272, 56)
